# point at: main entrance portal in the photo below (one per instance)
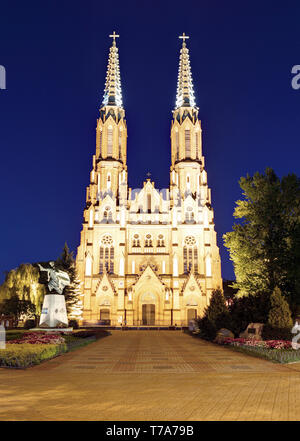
(148, 314)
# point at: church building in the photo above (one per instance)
(147, 257)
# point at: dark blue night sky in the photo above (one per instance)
(55, 55)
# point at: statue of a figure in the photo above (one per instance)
(56, 280)
(54, 313)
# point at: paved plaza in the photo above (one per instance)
(152, 375)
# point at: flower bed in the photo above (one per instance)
(30, 348)
(280, 351)
(26, 355)
(271, 344)
(38, 338)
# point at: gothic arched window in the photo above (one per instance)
(107, 254)
(110, 141)
(160, 241)
(190, 254)
(187, 137)
(120, 143)
(149, 203)
(148, 240)
(189, 215)
(136, 241)
(177, 144)
(100, 142)
(107, 215)
(197, 144)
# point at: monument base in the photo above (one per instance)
(51, 329)
(54, 311)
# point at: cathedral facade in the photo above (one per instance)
(147, 257)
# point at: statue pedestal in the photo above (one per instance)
(54, 311)
(54, 330)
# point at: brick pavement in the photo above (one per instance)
(152, 375)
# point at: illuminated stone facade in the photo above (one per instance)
(147, 257)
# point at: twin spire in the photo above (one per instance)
(185, 90)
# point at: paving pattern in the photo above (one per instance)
(147, 352)
(152, 375)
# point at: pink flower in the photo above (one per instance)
(39, 338)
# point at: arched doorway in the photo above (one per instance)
(105, 316)
(191, 314)
(148, 314)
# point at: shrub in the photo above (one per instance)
(217, 308)
(207, 329)
(73, 324)
(13, 335)
(249, 309)
(270, 333)
(25, 355)
(29, 323)
(279, 314)
(98, 333)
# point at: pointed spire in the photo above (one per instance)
(185, 90)
(112, 92)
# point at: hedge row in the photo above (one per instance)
(26, 355)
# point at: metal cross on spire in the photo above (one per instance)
(183, 37)
(114, 36)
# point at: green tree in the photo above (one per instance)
(23, 282)
(16, 307)
(249, 309)
(265, 245)
(279, 314)
(66, 262)
(217, 312)
(228, 290)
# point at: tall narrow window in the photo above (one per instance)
(177, 145)
(107, 254)
(197, 145)
(148, 240)
(188, 183)
(136, 241)
(190, 254)
(185, 261)
(149, 203)
(160, 241)
(187, 143)
(108, 181)
(100, 143)
(109, 141)
(120, 144)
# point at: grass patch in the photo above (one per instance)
(74, 343)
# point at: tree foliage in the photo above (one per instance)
(249, 309)
(23, 282)
(16, 307)
(66, 262)
(279, 314)
(265, 245)
(217, 306)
